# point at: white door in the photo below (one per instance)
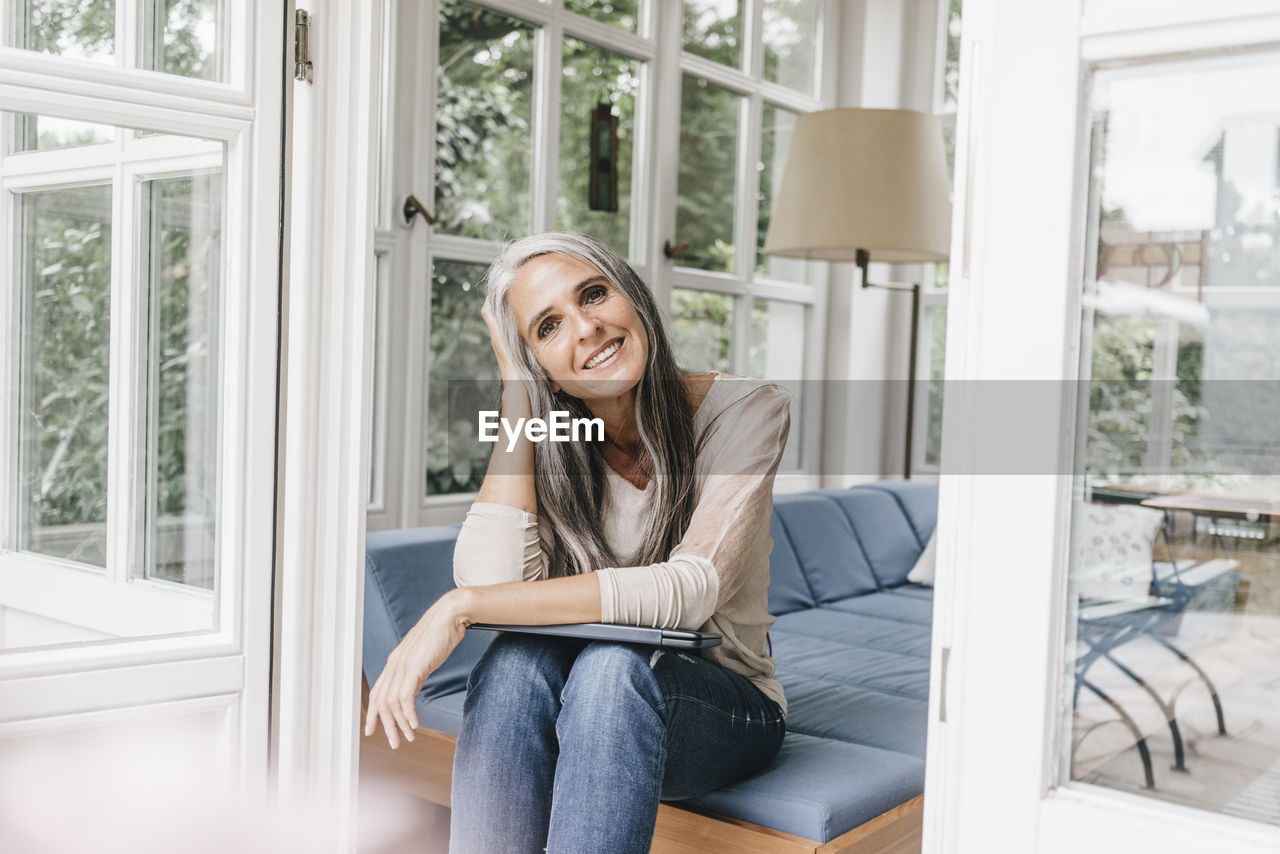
(140, 209)
(1115, 315)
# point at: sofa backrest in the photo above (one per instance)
(847, 542)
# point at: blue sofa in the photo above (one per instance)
(851, 643)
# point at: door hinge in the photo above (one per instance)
(301, 48)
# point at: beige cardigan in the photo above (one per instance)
(717, 578)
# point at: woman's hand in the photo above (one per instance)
(506, 365)
(423, 649)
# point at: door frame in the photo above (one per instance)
(998, 680)
(326, 361)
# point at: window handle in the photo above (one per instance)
(672, 251)
(413, 207)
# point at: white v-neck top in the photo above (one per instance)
(717, 577)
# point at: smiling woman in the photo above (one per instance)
(630, 530)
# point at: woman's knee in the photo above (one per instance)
(516, 664)
(609, 674)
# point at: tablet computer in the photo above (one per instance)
(609, 632)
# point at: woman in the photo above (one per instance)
(568, 745)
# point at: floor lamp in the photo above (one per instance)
(861, 182)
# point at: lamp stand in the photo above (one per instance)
(863, 260)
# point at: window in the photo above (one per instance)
(933, 295)
(733, 308)
(504, 150)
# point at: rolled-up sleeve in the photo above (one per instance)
(498, 544)
(706, 568)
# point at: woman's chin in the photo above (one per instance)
(609, 386)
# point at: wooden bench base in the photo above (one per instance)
(424, 768)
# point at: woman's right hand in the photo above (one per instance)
(506, 365)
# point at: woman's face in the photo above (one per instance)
(581, 327)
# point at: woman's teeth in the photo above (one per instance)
(603, 355)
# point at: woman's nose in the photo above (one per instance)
(584, 325)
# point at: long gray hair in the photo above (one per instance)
(570, 476)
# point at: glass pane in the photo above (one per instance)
(461, 355)
(620, 13)
(936, 327)
(180, 457)
(484, 121)
(775, 141)
(713, 28)
(1176, 533)
(186, 37)
(792, 33)
(951, 68)
(377, 426)
(777, 353)
(85, 29)
(593, 75)
(65, 275)
(43, 133)
(702, 329)
(709, 117)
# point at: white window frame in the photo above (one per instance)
(999, 684)
(113, 600)
(655, 156)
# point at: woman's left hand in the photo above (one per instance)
(423, 649)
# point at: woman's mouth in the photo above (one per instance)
(604, 355)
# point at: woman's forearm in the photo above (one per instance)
(549, 601)
(509, 479)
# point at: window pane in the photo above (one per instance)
(620, 13)
(709, 117)
(775, 141)
(778, 330)
(935, 325)
(702, 329)
(1182, 350)
(186, 37)
(180, 487)
(792, 33)
(484, 121)
(713, 28)
(43, 133)
(85, 29)
(377, 394)
(65, 275)
(951, 70)
(461, 355)
(594, 75)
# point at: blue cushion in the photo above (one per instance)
(819, 788)
(788, 588)
(829, 553)
(887, 672)
(918, 500)
(907, 609)
(888, 540)
(443, 713)
(863, 631)
(915, 591)
(855, 714)
(405, 572)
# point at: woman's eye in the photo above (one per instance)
(596, 293)
(547, 327)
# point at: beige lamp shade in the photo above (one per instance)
(863, 179)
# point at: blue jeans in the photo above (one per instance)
(568, 746)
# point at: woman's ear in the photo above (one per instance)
(555, 388)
